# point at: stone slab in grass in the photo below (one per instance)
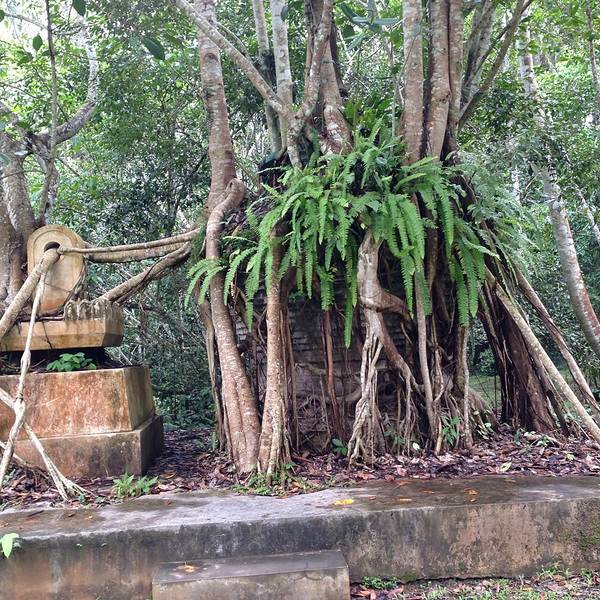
(322, 575)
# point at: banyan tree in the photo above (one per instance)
(341, 284)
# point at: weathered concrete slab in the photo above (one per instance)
(82, 402)
(491, 526)
(100, 454)
(320, 575)
(86, 324)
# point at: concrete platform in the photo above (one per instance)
(320, 575)
(490, 526)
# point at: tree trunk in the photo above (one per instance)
(592, 55)
(589, 213)
(220, 147)
(281, 53)
(274, 446)
(567, 253)
(266, 65)
(569, 261)
(238, 399)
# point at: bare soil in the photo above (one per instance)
(550, 584)
(189, 463)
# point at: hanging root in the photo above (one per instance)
(553, 373)
(34, 283)
(367, 425)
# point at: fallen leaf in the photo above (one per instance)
(187, 568)
(344, 502)
(472, 494)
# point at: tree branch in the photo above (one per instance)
(243, 63)
(511, 29)
(311, 91)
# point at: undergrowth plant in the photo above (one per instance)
(127, 486)
(72, 362)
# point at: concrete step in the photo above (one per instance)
(319, 575)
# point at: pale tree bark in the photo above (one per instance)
(16, 215)
(266, 65)
(476, 46)
(589, 213)
(220, 146)
(11, 256)
(455, 59)
(558, 340)
(238, 399)
(508, 34)
(592, 54)
(438, 104)
(274, 447)
(563, 236)
(413, 66)
(242, 62)
(538, 350)
(569, 261)
(281, 53)
(312, 84)
(337, 137)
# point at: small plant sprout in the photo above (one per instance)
(72, 362)
(339, 447)
(127, 486)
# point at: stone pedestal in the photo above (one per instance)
(92, 423)
(85, 325)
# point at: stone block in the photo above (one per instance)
(67, 274)
(321, 575)
(100, 331)
(102, 454)
(82, 402)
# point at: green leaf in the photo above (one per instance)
(154, 47)
(37, 42)
(7, 542)
(348, 12)
(79, 6)
(2, 15)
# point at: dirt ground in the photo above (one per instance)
(550, 584)
(189, 463)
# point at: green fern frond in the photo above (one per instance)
(234, 265)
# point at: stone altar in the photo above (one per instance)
(98, 422)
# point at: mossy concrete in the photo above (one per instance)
(490, 526)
